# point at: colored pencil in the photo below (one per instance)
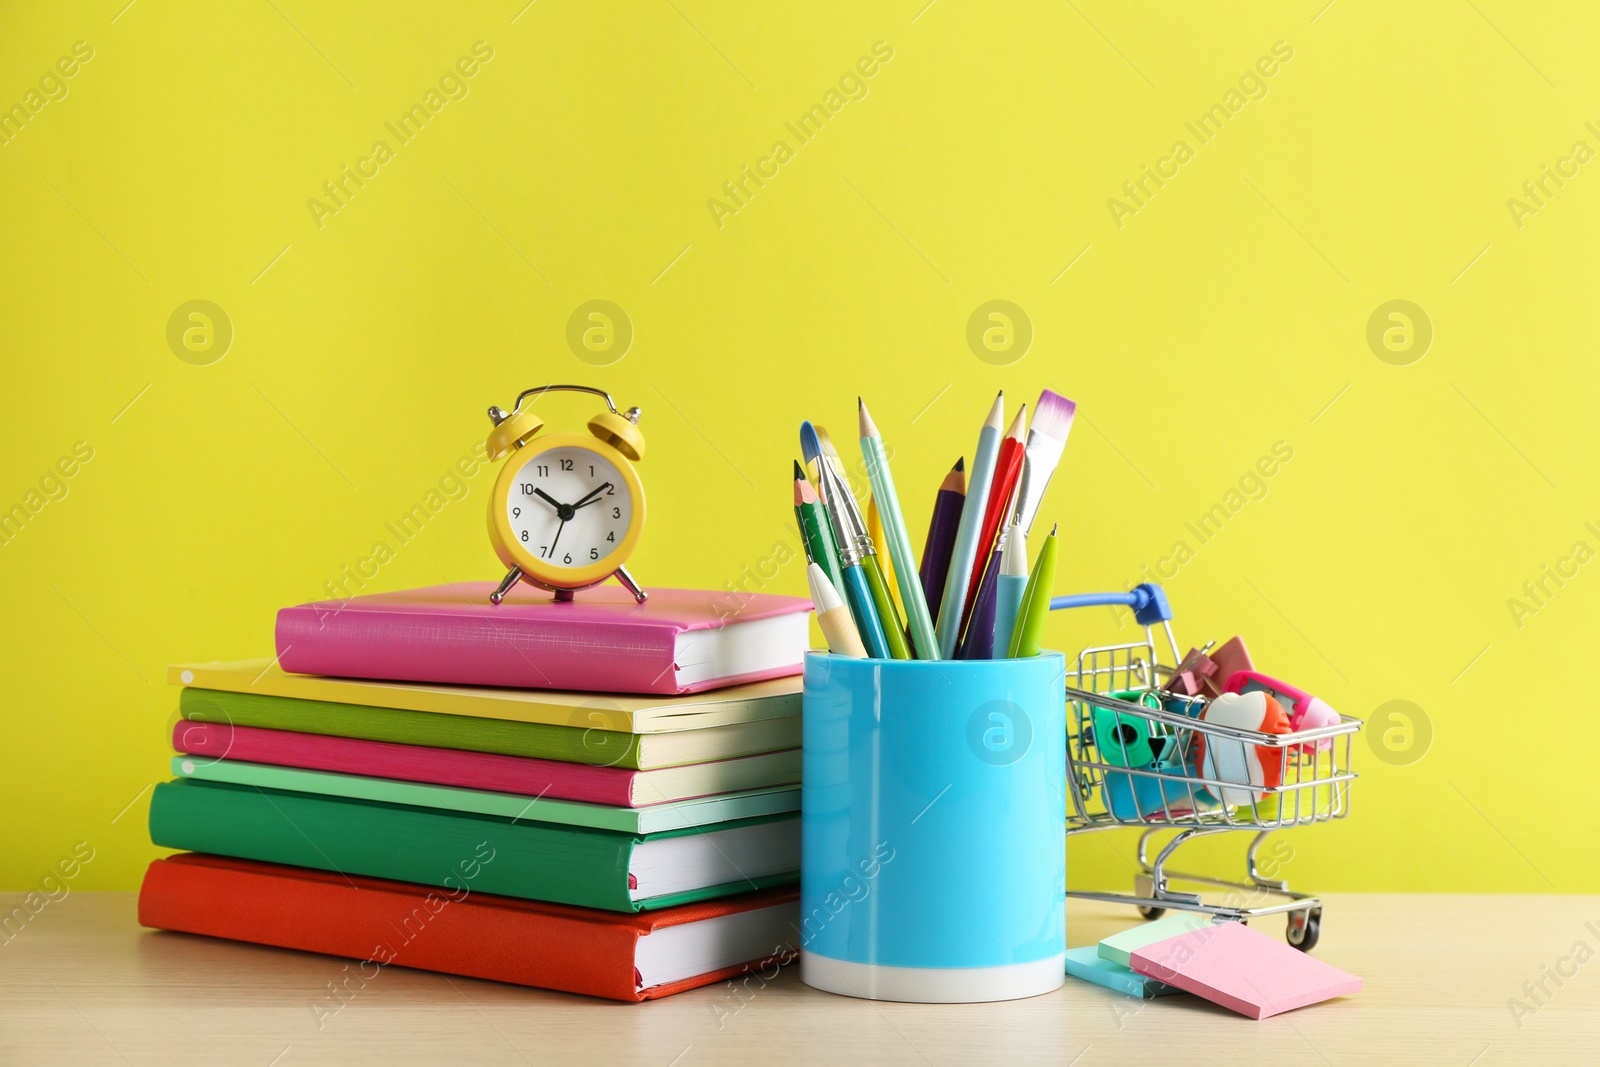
(881, 547)
(885, 562)
(953, 602)
(894, 630)
(923, 640)
(1025, 640)
(1007, 464)
(815, 533)
(846, 524)
(1010, 588)
(978, 640)
(942, 534)
(833, 616)
(977, 637)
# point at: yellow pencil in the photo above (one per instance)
(880, 546)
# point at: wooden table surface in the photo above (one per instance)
(83, 984)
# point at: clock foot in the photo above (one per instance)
(631, 586)
(513, 576)
(564, 596)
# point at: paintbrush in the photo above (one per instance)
(850, 535)
(1047, 436)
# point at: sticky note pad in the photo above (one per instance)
(1085, 963)
(1242, 969)
(1117, 947)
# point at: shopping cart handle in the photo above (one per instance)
(1149, 603)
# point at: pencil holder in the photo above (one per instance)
(933, 814)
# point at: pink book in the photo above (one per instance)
(1243, 969)
(678, 641)
(523, 775)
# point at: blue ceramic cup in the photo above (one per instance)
(933, 814)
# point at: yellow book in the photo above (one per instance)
(777, 698)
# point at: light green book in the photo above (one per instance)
(675, 815)
(581, 741)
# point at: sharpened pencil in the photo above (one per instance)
(815, 534)
(881, 547)
(978, 640)
(953, 603)
(1007, 465)
(894, 631)
(923, 641)
(942, 534)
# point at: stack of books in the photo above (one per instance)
(406, 784)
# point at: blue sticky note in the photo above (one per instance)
(1085, 963)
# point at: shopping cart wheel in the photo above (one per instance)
(1304, 928)
(1144, 887)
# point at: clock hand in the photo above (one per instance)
(590, 499)
(552, 501)
(556, 538)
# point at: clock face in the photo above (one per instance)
(569, 508)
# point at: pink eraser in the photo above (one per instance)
(1231, 658)
(1243, 970)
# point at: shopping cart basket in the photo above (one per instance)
(1140, 756)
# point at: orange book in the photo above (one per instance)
(458, 931)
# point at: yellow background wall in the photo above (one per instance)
(1227, 313)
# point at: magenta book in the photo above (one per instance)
(523, 775)
(678, 641)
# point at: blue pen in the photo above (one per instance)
(1010, 587)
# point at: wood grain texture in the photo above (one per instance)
(82, 984)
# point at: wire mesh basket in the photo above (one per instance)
(1140, 755)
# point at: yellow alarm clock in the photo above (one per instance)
(568, 507)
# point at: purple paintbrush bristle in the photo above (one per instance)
(1052, 415)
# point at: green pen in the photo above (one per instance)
(1026, 638)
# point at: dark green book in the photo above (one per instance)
(578, 743)
(463, 852)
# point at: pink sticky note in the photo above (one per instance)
(1243, 970)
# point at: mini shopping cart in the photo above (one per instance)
(1140, 756)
